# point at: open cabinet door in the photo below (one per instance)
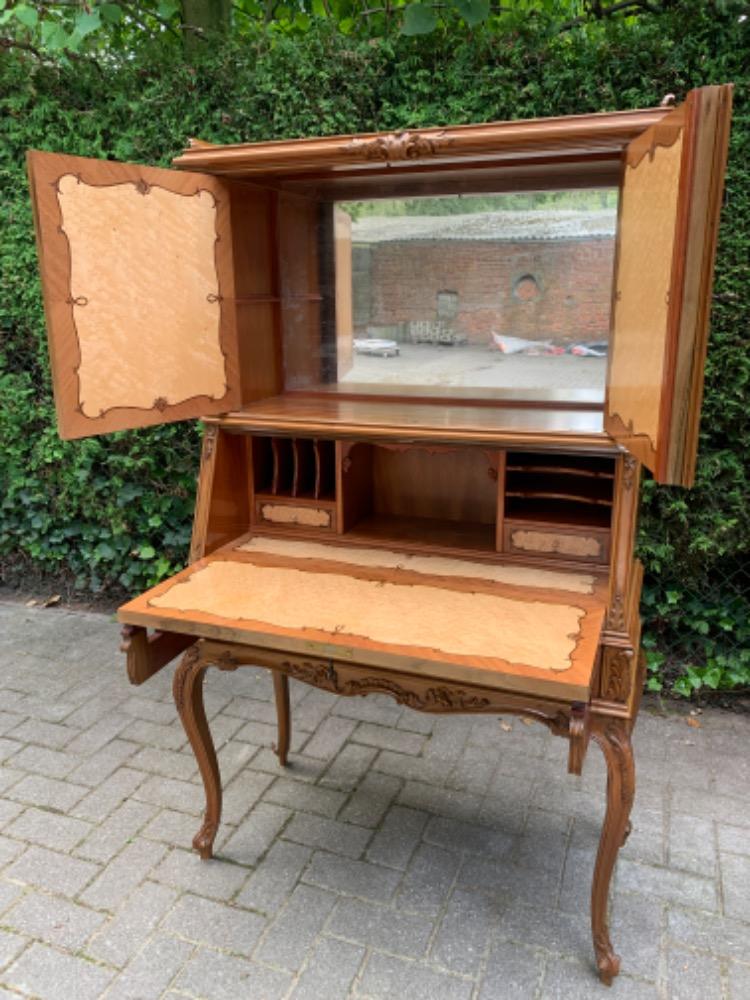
(669, 214)
(136, 266)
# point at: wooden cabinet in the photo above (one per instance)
(431, 366)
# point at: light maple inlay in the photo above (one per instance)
(528, 632)
(522, 576)
(144, 288)
(648, 218)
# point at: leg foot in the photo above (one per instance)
(187, 688)
(614, 739)
(283, 715)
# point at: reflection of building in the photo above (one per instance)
(540, 274)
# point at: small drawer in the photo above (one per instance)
(276, 513)
(578, 545)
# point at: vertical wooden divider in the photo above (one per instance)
(318, 469)
(296, 466)
(500, 520)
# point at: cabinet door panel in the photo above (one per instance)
(669, 214)
(136, 266)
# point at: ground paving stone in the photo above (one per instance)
(443, 857)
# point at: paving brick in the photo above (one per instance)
(329, 737)
(428, 880)
(350, 766)
(55, 921)
(370, 802)
(165, 762)
(40, 791)
(733, 839)
(9, 749)
(709, 932)
(108, 839)
(214, 976)
(51, 871)
(735, 878)
(451, 803)
(173, 828)
(216, 924)
(692, 844)
(152, 734)
(98, 735)
(123, 874)
(97, 768)
(676, 887)
(693, 977)
(295, 930)
(566, 979)
(241, 795)
(458, 836)
(101, 801)
(465, 930)
(133, 922)
(10, 946)
(513, 972)
(433, 771)
(45, 734)
(254, 836)
(739, 981)
(49, 829)
(381, 927)
(152, 970)
(329, 834)
(41, 760)
(252, 710)
(216, 879)
(387, 738)
(377, 709)
(637, 925)
(302, 795)
(386, 977)
(9, 811)
(398, 837)
(329, 972)
(354, 878)
(50, 975)
(8, 721)
(8, 895)
(234, 758)
(448, 738)
(168, 793)
(275, 877)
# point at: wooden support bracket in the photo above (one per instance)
(147, 654)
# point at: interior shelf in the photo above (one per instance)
(557, 512)
(424, 531)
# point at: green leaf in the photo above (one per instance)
(111, 12)
(26, 15)
(54, 36)
(683, 686)
(167, 9)
(712, 677)
(146, 552)
(419, 19)
(87, 22)
(473, 11)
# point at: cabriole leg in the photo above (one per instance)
(613, 737)
(187, 688)
(283, 715)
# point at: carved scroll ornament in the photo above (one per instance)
(399, 146)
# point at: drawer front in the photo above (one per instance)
(557, 543)
(288, 514)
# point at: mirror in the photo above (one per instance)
(471, 296)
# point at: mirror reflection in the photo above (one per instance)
(471, 296)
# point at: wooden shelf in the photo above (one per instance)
(559, 486)
(560, 513)
(423, 532)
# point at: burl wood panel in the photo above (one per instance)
(522, 576)
(291, 514)
(414, 615)
(137, 275)
(575, 546)
(646, 244)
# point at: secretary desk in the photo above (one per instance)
(430, 365)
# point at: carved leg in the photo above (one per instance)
(281, 690)
(613, 737)
(187, 688)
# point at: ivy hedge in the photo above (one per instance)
(113, 514)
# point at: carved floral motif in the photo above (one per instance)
(399, 146)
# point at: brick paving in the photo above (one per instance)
(400, 855)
